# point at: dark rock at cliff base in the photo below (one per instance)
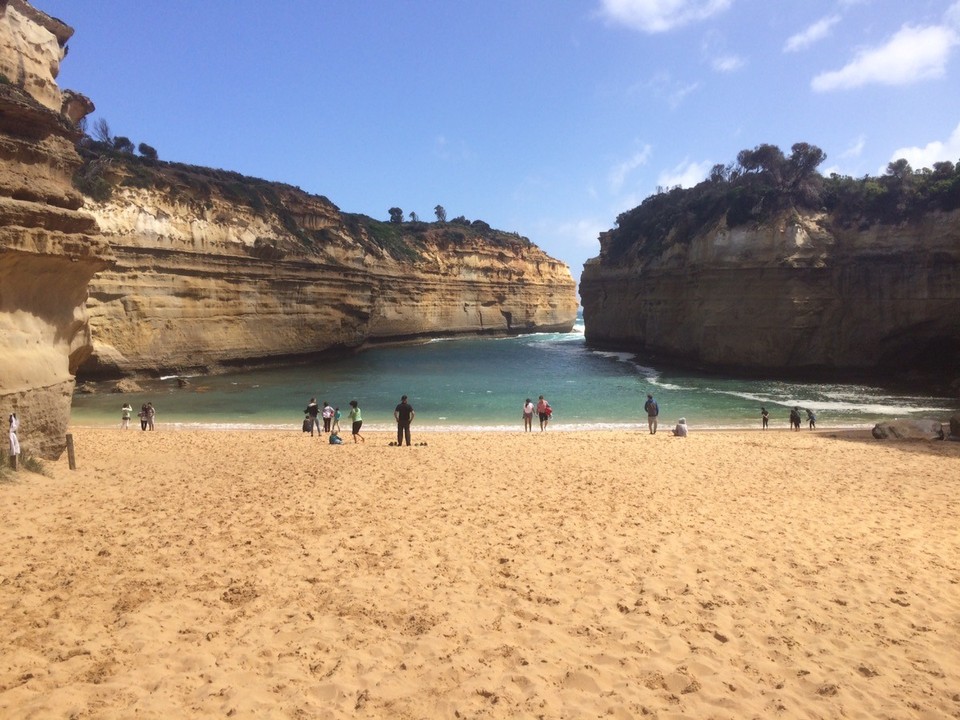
(909, 430)
(955, 427)
(127, 386)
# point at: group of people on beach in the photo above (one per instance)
(403, 414)
(543, 411)
(147, 415)
(795, 418)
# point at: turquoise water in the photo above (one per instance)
(482, 383)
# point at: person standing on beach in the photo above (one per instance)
(327, 416)
(544, 411)
(653, 410)
(764, 417)
(795, 419)
(125, 412)
(528, 410)
(312, 410)
(151, 414)
(336, 420)
(811, 420)
(354, 416)
(143, 416)
(14, 440)
(404, 415)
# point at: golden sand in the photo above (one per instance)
(560, 575)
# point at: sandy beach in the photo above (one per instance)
(497, 575)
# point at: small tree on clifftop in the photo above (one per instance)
(396, 215)
(441, 213)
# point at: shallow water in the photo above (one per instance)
(482, 383)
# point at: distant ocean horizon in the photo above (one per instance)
(472, 384)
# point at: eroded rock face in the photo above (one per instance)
(200, 284)
(794, 295)
(49, 249)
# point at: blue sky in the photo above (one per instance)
(544, 117)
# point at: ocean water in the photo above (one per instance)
(482, 384)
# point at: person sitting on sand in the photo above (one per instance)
(335, 439)
(681, 429)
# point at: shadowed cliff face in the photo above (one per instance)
(219, 271)
(49, 249)
(793, 296)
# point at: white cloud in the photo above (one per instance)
(932, 152)
(654, 16)
(686, 174)
(912, 54)
(727, 63)
(819, 30)
(618, 175)
(583, 233)
(952, 16)
(854, 150)
(680, 93)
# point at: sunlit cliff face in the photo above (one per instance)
(49, 249)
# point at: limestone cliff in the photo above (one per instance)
(49, 248)
(215, 269)
(798, 294)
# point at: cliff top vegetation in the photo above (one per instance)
(112, 161)
(764, 182)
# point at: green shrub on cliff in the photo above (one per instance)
(764, 183)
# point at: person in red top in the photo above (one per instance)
(544, 411)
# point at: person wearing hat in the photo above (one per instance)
(681, 429)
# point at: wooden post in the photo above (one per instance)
(71, 458)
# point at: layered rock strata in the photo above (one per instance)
(203, 281)
(49, 248)
(796, 295)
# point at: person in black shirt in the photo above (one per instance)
(404, 415)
